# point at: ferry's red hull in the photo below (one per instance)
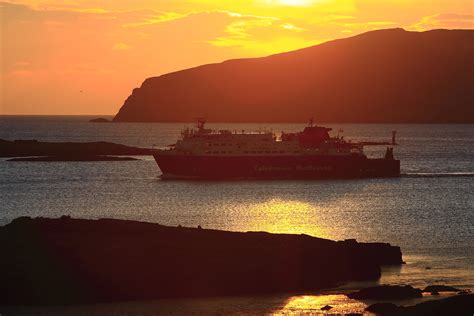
(274, 167)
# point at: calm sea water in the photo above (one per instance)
(429, 211)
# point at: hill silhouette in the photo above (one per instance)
(384, 76)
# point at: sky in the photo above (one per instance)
(77, 57)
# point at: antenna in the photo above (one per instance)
(200, 123)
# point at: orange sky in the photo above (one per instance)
(85, 56)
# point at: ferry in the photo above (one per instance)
(206, 154)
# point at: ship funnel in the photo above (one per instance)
(394, 134)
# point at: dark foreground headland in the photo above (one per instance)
(67, 151)
(72, 261)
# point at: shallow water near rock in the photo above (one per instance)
(428, 211)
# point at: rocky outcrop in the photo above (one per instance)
(386, 292)
(73, 158)
(384, 76)
(460, 305)
(100, 120)
(440, 288)
(382, 308)
(71, 261)
(24, 148)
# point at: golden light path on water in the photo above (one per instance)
(277, 215)
(312, 304)
(296, 217)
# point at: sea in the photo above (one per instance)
(428, 211)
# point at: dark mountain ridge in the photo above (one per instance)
(385, 76)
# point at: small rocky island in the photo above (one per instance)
(34, 150)
(100, 120)
(75, 261)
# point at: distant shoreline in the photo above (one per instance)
(87, 117)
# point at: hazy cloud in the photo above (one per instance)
(445, 20)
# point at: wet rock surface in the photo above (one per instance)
(459, 305)
(382, 308)
(386, 292)
(440, 288)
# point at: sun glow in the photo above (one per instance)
(293, 3)
(107, 48)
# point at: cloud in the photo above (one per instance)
(109, 47)
(445, 20)
(291, 27)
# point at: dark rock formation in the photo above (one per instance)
(440, 288)
(74, 158)
(380, 76)
(100, 120)
(463, 292)
(24, 148)
(455, 305)
(386, 292)
(382, 308)
(460, 305)
(326, 308)
(71, 261)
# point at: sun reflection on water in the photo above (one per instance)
(312, 304)
(285, 216)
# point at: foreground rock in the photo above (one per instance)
(440, 288)
(461, 305)
(74, 158)
(386, 292)
(382, 308)
(24, 148)
(72, 261)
